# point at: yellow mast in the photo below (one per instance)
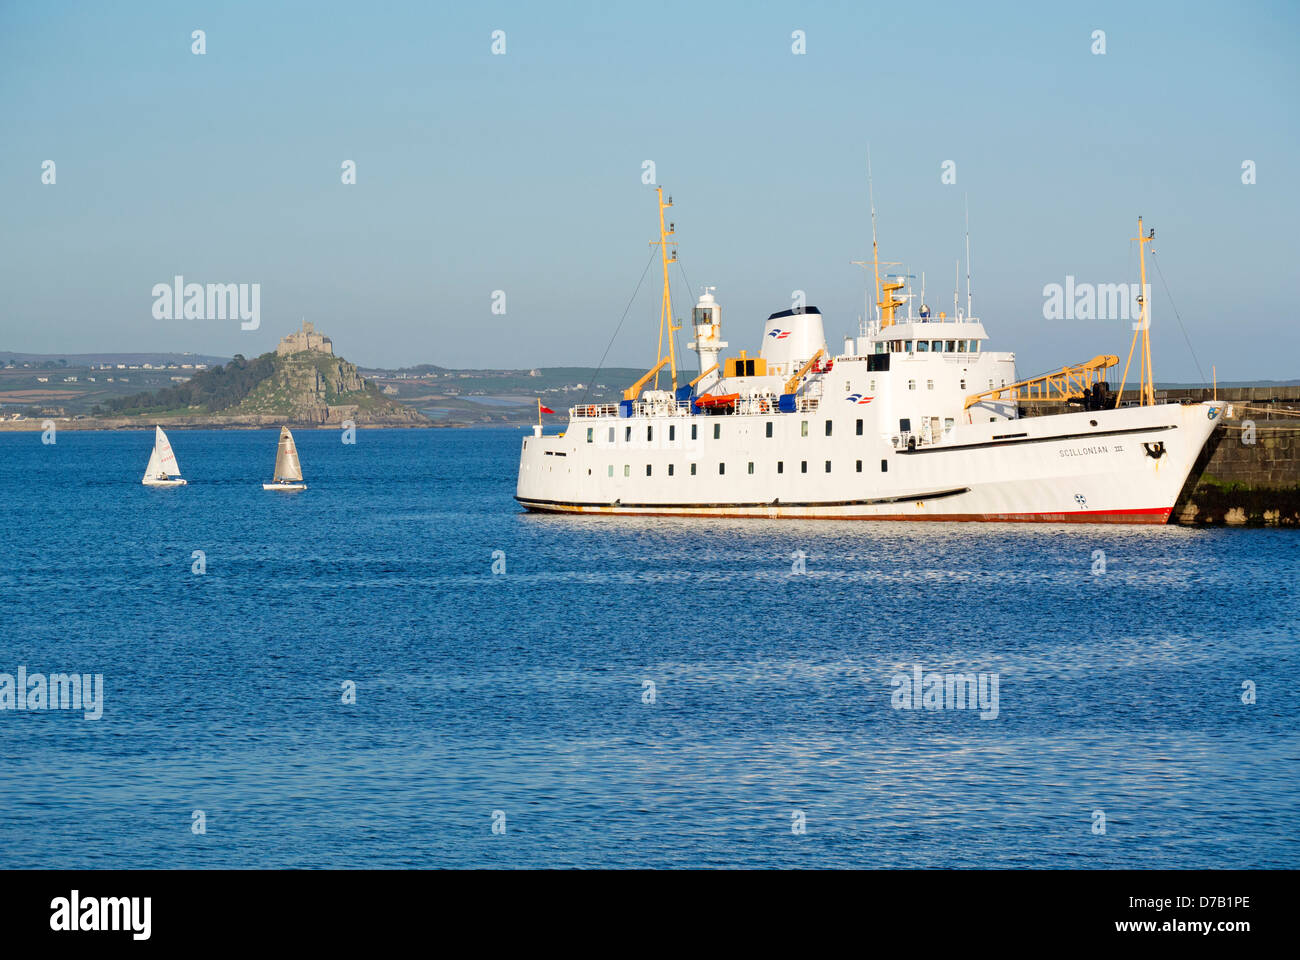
(884, 298)
(666, 308)
(1147, 377)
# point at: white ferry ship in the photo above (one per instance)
(915, 419)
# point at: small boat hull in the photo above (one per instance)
(177, 482)
(284, 486)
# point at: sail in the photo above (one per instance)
(162, 461)
(287, 466)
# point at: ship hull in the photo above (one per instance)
(1124, 466)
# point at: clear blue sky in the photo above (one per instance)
(523, 172)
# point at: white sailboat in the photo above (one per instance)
(163, 471)
(288, 470)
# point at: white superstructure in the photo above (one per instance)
(915, 419)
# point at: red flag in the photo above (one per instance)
(544, 409)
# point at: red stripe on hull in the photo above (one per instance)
(1144, 515)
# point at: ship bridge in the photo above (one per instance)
(925, 336)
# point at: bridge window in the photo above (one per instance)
(936, 346)
(922, 346)
(907, 346)
(952, 346)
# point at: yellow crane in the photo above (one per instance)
(1069, 383)
(631, 392)
(792, 384)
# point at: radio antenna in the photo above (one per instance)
(966, 203)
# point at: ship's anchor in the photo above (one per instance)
(1155, 450)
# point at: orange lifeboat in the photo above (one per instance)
(722, 400)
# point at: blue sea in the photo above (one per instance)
(627, 692)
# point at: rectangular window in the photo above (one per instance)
(695, 427)
(803, 466)
(859, 427)
(649, 434)
(722, 468)
(751, 466)
(884, 466)
(803, 429)
(911, 384)
(670, 469)
(627, 434)
(907, 346)
(611, 434)
(692, 469)
(591, 434)
(611, 469)
(828, 428)
(905, 425)
(952, 346)
(828, 466)
(873, 386)
(963, 385)
(936, 346)
(672, 432)
(647, 469)
(780, 466)
(717, 431)
(929, 384)
(923, 346)
(769, 429)
(859, 466)
(627, 470)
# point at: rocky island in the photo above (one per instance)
(303, 383)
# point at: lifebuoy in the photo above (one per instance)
(591, 411)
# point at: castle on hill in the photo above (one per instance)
(305, 339)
